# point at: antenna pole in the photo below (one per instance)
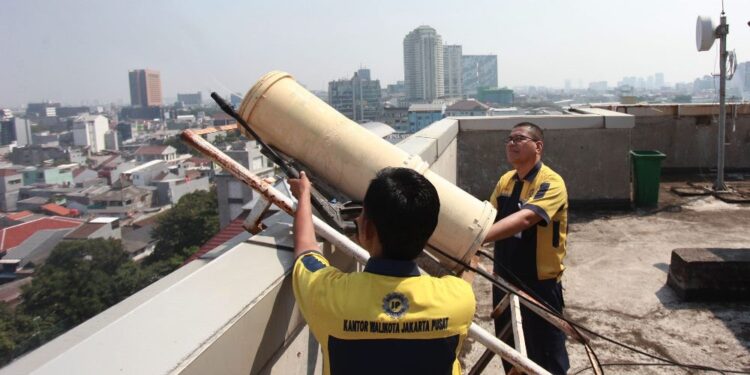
(721, 33)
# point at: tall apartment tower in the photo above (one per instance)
(453, 71)
(423, 65)
(145, 88)
(479, 71)
(358, 98)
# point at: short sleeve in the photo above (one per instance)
(548, 198)
(312, 274)
(496, 192)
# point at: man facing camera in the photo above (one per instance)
(530, 241)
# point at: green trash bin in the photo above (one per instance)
(646, 174)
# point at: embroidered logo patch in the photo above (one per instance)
(395, 304)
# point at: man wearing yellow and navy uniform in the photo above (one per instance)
(388, 319)
(530, 233)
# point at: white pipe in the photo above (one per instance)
(347, 156)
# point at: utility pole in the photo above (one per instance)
(721, 33)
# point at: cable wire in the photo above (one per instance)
(546, 307)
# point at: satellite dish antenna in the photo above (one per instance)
(705, 33)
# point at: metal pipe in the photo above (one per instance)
(722, 30)
(347, 156)
(342, 242)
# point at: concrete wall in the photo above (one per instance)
(587, 150)
(687, 134)
(438, 146)
(170, 191)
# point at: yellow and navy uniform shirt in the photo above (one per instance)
(388, 319)
(536, 253)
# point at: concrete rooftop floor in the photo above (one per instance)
(615, 284)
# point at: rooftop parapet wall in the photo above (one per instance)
(588, 149)
(687, 133)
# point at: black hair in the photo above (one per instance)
(535, 131)
(403, 205)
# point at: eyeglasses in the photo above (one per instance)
(518, 139)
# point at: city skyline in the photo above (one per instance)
(75, 52)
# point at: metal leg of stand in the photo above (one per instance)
(515, 316)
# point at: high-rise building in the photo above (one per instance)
(598, 86)
(659, 80)
(190, 100)
(479, 71)
(235, 100)
(14, 129)
(45, 109)
(145, 88)
(358, 98)
(453, 71)
(125, 131)
(423, 65)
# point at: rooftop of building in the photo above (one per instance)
(56, 209)
(426, 107)
(5, 172)
(13, 236)
(155, 150)
(121, 194)
(468, 105)
(615, 281)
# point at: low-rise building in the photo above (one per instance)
(59, 175)
(422, 115)
(89, 131)
(158, 152)
(121, 201)
(469, 107)
(100, 227)
(170, 188)
(397, 117)
(32, 241)
(37, 154)
(11, 181)
(144, 174)
(233, 194)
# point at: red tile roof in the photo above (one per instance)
(13, 236)
(230, 231)
(199, 161)
(8, 172)
(56, 209)
(19, 215)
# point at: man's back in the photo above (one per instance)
(388, 319)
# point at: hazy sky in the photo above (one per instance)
(80, 51)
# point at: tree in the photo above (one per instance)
(79, 280)
(179, 145)
(8, 335)
(20, 333)
(190, 223)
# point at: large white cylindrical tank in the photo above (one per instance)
(347, 156)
